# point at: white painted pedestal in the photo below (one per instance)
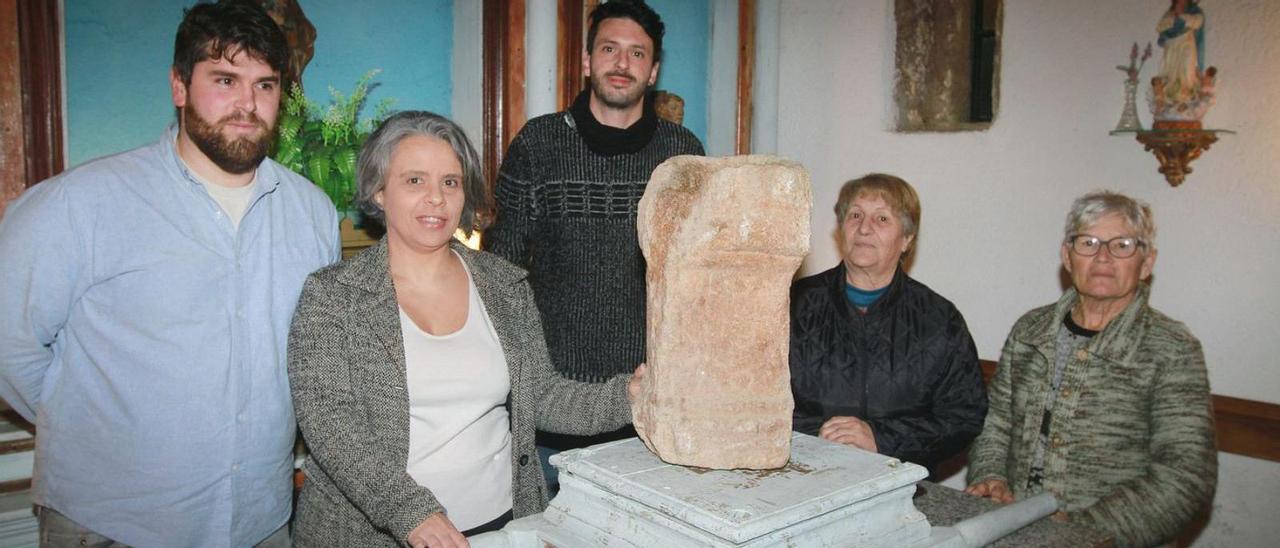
(620, 494)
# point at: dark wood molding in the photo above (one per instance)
(40, 47)
(494, 30)
(513, 71)
(12, 417)
(571, 34)
(1247, 427)
(1244, 427)
(30, 95)
(13, 167)
(15, 486)
(24, 445)
(17, 446)
(988, 370)
(746, 75)
(503, 29)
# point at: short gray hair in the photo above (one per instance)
(375, 160)
(1087, 209)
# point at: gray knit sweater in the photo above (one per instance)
(568, 215)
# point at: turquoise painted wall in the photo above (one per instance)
(118, 55)
(685, 52)
(117, 74)
(411, 41)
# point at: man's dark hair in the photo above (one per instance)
(224, 29)
(635, 10)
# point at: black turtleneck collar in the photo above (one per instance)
(611, 141)
(1075, 328)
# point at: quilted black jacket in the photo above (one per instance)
(907, 366)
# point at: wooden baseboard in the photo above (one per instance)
(1244, 427)
(22, 445)
(15, 485)
(1247, 427)
(17, 446)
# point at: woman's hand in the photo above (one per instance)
(633, 387)
(994, 489)
(849, 431)
(437, 532)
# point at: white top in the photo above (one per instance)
(234, 200)
(459, 431)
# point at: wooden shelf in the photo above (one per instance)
(355, 240)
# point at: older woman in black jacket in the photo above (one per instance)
(878, 360)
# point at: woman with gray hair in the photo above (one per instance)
(1099, 398)
(418, 367)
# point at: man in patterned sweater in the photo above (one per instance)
(567, 195)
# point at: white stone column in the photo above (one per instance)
(722, 78)
(764, 89)
(540, 50)
(468, 69)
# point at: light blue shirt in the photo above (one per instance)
(145, 337)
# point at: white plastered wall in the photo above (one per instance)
(994, 201)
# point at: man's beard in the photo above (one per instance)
(238, 156)
(615, 99)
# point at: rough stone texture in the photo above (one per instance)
(934, 65)
(723, 238)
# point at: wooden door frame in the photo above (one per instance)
(503, 79)
(13, 170)
(40, 35)
(571, 41)
(746, 76)
(31, 118)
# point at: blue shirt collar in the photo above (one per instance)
(265, 177)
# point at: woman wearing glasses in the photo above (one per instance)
(1099, 398)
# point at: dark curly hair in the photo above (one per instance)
(224, 29)
(635, 10)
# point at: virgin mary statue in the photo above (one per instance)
(1182, 37)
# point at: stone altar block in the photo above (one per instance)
(723, 238)
(619, 494)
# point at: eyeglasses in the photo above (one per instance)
(1120, 248)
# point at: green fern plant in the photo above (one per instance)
(323, 144)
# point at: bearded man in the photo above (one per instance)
(145, 306)
(567, 197)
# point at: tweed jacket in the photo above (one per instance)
(347, 371)
(1132, 441)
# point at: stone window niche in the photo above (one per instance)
(947, 64)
